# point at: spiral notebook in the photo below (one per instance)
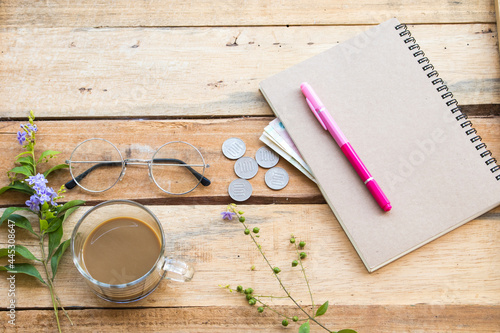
(408, 129)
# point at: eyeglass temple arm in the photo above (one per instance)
(72, 183)
(203, 180)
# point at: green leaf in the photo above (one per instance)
(43, 225)
(8, 211)
(54, 224)
(56, 258)
(21, 170)
(55, 239)
(23, 153)
(18, 186)
(347, 330)
(27, 161)
(49, 215)
(322, 309)
(21, 251)
(54, 168)
(69, 205)
(25, 268)
(22, 222)
(305, 328)
(48, 154)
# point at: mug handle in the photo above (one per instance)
(177, 270)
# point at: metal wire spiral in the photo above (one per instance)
(446, 95)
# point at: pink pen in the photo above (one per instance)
(326, 120)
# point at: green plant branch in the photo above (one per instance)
(270, 296)
(49, 283)
(276, 311)
(62, 307)
(276, 275)
(304, 272)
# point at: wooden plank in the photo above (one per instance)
(497, 11)
(460, 268)
(368, 318)
(202, 72)
(142, 138)
(92, 13)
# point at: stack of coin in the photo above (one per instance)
(246, 168)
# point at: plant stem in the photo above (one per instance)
(49, 283)
(62, 307)
(277, 277)
(270, 308)
(304, 272)
(270, 296)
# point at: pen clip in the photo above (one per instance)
(315, 113)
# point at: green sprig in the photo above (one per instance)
(51, 218)
(253, 299)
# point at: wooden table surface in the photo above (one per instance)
(142, 73)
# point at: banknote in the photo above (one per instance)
(278, 134)
(278, 149)
(278, 126)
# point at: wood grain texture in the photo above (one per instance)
(202, 72)
(365, 319)
(139, 139)
(95, 13)
(460, 268)
(497, 11)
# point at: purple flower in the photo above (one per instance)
(21, 137)
(49, 196)
(33, 203)
(227, 215)
(38, 183)
(42, 194)
(32, 128)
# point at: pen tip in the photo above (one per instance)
(387, 207)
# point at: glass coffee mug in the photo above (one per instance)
(119, 248)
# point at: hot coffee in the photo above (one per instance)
(120, 250)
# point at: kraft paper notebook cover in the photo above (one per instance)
(407, 129)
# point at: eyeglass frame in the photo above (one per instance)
(132, 161)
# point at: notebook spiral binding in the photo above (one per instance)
(451, 102)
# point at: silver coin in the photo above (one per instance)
(240, 189)
(234, 148)
(276, 178)
(246, 167)
(266, 158)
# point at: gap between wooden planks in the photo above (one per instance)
(202, 72)
(367, 318)
(140, 139)
(460, 268)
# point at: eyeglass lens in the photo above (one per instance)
(177, 167)
(99, 162)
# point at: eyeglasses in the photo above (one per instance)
(96, 165)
